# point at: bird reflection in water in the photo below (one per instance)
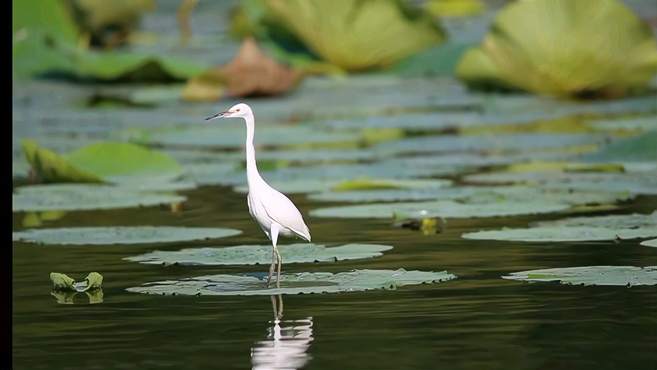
(287, 343)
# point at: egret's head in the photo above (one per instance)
(240, 110)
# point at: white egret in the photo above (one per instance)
(272, 210)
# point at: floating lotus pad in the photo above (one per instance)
(591, 275)
(417, 210)
(578, 229)
(231, 134)
(120, 235)
(261, 254)
(300, 283)
(515, 142)
(472, 193)
(639, 148)
(77, 197)
(644, 123)
(642, 182)
(649, 243)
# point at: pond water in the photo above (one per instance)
(469, 156)
(476, 321)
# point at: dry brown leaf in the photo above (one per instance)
(250, 73)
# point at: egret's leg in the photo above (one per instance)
(273, 234)
(280, 263)
(273, 265)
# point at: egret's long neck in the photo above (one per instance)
(252, 174)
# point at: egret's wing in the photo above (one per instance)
(281, 209)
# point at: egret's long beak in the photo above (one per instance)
(217, 115)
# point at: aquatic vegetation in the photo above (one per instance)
(61, 281)
(381, 32)
(261, 254)
(80, 197)
(250, 73)
(120, 235)
(627, 276)
(102, 162)
(614, 227)
(299, 283)
(649, 243)
(564, 48)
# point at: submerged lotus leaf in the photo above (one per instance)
(564, 48)
(120, 235)
(591, 275)
(335, 29)
(103, 161)
(77, 197)
(299, 283)
(649, 243)
(261, 254)
(612, 227)
(447, 209)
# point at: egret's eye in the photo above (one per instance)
(237, 110)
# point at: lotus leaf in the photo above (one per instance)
(578, 229)
(357, 35)
(261, 254)
(103, 161)
(446, 209)
(639, 148)
(60, 281)
(78, 197)
(120, 235)
(650, 243)
(591, 275)
(299, 283)
(564, 48)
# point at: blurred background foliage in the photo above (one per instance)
(582, 48)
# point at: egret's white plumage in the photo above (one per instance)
(272, 210)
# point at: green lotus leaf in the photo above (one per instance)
(63, 282)
(642, 123)
(102, 162)
(120, 235)
(649, 243)
(446, 209)
(596, 228)
(232, 135)
(261, 254)
(591, 275)
(299, 283)
(639, 148)
(564, 48)
(78, 197)
(357, 35)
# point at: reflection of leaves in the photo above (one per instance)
(250, 73)
(68, 297)
(564, 48)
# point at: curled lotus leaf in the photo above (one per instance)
(299, 283)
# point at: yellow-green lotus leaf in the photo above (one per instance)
(357, 35)
(564, 48)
